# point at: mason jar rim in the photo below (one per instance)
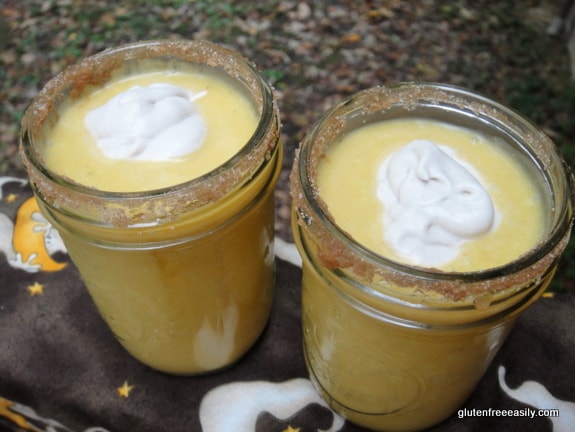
(92, 69)
(435, 94)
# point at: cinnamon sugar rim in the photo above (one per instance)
(338, 250)
(164, 204)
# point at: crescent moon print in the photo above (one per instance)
(236, 406)
(27, 239)
(534, 394)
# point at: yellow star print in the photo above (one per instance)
(11, 198)
(290, 429)
(36, 289)
(125, 390)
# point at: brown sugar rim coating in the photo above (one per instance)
(125, 209)
(340, 251)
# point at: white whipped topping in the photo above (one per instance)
(156, 123)
(433, 203)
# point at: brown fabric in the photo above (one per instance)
(60, 366)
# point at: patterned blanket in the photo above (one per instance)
(62, 370)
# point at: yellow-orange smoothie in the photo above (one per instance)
(385, 353)
(353, 202)
(231, 120)
(182, 272)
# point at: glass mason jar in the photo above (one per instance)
(394, 347)
(183, 275)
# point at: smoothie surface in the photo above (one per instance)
(352, 200)
(230, 120)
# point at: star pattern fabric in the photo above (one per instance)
(62, 370)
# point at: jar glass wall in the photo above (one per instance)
(393, 346)
(183, 274)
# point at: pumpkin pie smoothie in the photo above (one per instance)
(157, 164)
(422, 223)
(429, 194)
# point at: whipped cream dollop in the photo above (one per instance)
(156, 123)
(433, 203)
